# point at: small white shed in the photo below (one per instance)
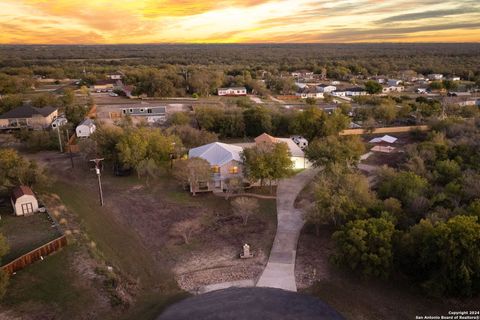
(24, 201)
(85, 128)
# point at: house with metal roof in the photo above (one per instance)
(151, 113)
(233, 91)
(225, 160)
(296, 153)
(28, 117)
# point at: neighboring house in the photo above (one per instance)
(85, 128)
(309, 92)
(393, 82)
(385, 139)
(350, 92)
(152, 114)
(301, 85)
(115, 76)
(233, 91)
(296, 153)
(23, 201)
(325, 88)
(454, 78)
(435, 76)
(28, 117)
(60, 121)
(105, 85)
(305, 74)
(459, 94)
(225, 160)
(393, 89)
(422, 90)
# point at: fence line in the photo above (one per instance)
(35, 255)
(347, 132)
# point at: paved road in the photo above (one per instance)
(280, 269)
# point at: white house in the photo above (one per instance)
(325, 88)
(309, 92)
(23, 201)
(350, 92)
(225, 160)
(384, 139)
(454, 78)
(306, 74)
(85, 128)
(233, 91)
(394, 82)
(435, 76)
(422, 90)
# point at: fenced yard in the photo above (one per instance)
(25, 234)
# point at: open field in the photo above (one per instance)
(26, 233)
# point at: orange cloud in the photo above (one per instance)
(142, 21)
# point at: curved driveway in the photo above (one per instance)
(280, 269)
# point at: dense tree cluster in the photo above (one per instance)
(421, 219)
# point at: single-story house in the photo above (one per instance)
(454, 78)
(151, 113)
(296, 153)
(309, 92)
(302, 74)
(225, 160)
(233, 91)
(458, 94)
(350, 92)
(24, 201)
(422, 90)
(393, 89)
(435, 76)
(393, 82)
(28, 117)
(326, 88)
(107, 85)
(85, 128)
(383, 144)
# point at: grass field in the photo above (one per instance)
(26, 233)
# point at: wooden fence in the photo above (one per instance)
(384, 130)
(35, 255)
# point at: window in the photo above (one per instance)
(124, 111)
(216, 169)
(142, 110)
(233, 170)
(149, 110)
(130, 110)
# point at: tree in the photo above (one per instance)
(404, 185)
(10, 102)
(267, 162)
(15, 170)
(446, 254)
(148, 168)
(244, 207)
(309, 123)
(257, 121)
(179, 119)
(4, 248)
(341, 150)
(192, 137)
(187, 228)
(366, 246)
(192, 172)
(339, 196)
(75, 114)
(373, 87)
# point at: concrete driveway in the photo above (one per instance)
(280, 269)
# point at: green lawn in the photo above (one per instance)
(26, 233)
(50, 286)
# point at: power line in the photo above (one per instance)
(97, 162)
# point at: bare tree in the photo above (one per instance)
(192, 172)
(244, 207)
(186, 229)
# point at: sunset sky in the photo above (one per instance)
(231, 21)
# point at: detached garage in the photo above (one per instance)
(23, 201)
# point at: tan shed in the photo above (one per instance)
(24, 201)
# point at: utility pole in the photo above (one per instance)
(59, 138)
(97, 162)
(70, 150)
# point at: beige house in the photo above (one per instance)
(225, 160)
(23, 201)
(28, 117)
(296, 153)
